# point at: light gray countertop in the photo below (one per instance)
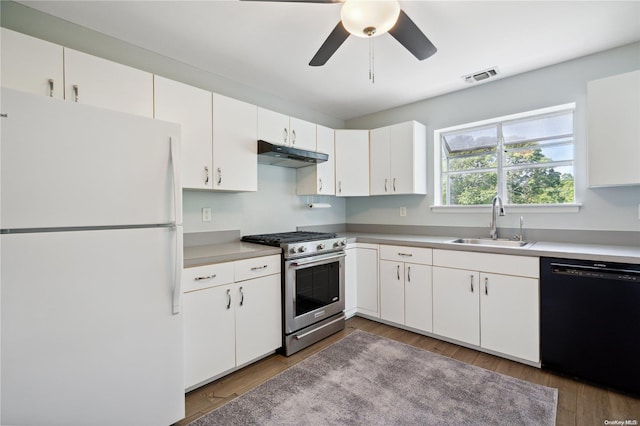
(228, 252)
(609, 253)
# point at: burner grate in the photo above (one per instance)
(277, 239)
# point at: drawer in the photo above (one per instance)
(207, 276)
(256, 267)
(523, 266)
(407, 254)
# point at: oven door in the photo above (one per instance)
(313, 289)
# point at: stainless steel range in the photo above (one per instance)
(312, 285)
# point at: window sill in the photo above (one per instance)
(511, 208)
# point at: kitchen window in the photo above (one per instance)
(525, 158)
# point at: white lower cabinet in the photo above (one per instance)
(350, 280)
(366, 259)
(494, 306)
(456, 307)
(229, 325)
(406, 287)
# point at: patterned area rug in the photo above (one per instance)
(365, 379)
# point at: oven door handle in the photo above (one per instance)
(303, 335)
(315, 259)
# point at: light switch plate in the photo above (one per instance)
(403, 211)
(206, 214)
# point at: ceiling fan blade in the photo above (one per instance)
(330, 45)
(410, 36)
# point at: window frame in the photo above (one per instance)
(501, 168)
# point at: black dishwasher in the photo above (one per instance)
(590, 321)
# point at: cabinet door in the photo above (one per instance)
(379, 161)
(392, 291)
(418, 299)
(367, 272)
(235, 161)
(350, 284)
(302, 134)
(273, 127)
(258, 317)
(510, 315)
(95, 81)
(191, 108)
(209, 333)
(408, 158)
(31, 65)
(613, 130)
(319, 179)
(352, 162)
(456, 304)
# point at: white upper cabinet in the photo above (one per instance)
(235, 141)
(399, 159)
(95, 81)
(319, 179)
(352, 162)
(281, 129)
(32, 65)
(613, 130)
(191, 108)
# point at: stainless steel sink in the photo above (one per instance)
(500, 242)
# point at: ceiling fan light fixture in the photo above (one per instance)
(368, 18)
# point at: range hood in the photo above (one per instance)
(286, 156)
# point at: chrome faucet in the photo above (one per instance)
(493, 233)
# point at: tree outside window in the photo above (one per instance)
(528, 160)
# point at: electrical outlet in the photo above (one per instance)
(206, 214)
(403, 211)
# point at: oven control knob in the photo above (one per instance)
(336, 244)
(292, 249)
(321, 246)
(302, 249)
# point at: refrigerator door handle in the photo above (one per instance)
(177, 205)
(179, 261)
(176, 162)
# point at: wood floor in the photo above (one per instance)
(579, 404)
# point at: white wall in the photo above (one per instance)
(275, 207)
(602, 208)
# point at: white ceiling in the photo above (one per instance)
(268, 45)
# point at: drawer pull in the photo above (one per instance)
(405, 254)
(257, 268)
(208, 277)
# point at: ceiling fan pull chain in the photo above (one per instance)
(372, 73)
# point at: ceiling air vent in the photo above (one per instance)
(482, 75)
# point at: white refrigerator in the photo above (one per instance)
(91, 257)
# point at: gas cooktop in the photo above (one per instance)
(280, 238)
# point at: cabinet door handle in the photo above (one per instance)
(398, 272)
(394, 184)
(51, 88)
(241, 297)
(285, 135)
(486, 286)
(320, 180)
(206, 175)
(409, 273)
(385, 185)
(76, 95)
(293, 137)
(257, 268)
(228, 299)
(207, 277)
(339, 187)
(219, 176)
(471, 283)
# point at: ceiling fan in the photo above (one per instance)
(369, 18)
